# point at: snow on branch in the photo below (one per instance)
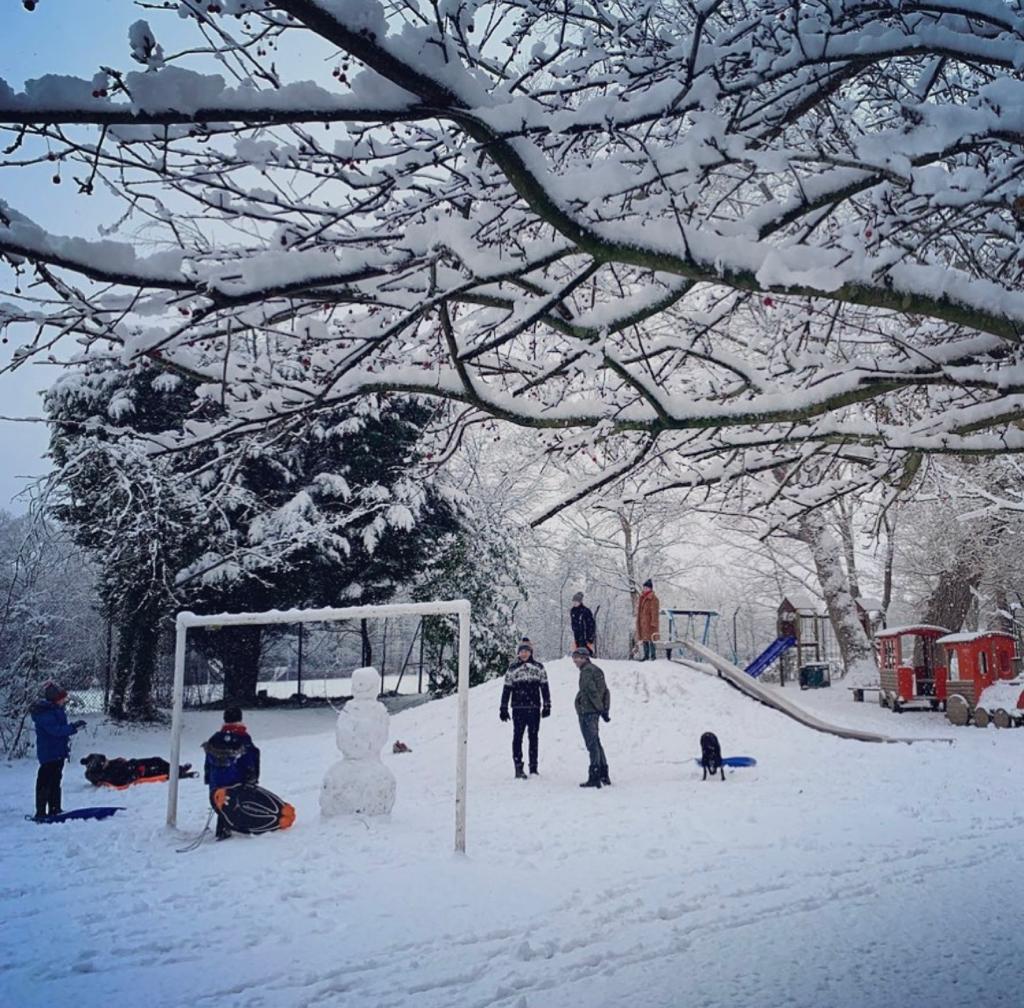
(697, 237)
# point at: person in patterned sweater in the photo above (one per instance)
(526, 692)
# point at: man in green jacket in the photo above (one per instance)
(592, 705)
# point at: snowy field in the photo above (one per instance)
(835, 873)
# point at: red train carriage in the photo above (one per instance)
(911, 667)
(977, 661)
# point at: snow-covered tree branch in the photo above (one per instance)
(702, 238)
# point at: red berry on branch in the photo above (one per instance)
(769, 302)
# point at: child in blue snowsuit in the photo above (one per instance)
(52, 746)
(231, 758)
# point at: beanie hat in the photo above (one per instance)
(578, 597)
(524, 645)
(232, 715)
(581, 652)
(648, 583)
(53, 692)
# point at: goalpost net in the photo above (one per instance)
(456, 607)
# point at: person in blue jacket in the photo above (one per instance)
(231, 759)
(52, 746)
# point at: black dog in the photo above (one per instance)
(711, 755)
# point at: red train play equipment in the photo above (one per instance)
(912, 667)
(971, 676)
(982, 684)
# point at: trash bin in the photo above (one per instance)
(814, 676)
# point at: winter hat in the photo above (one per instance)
(648, 583)
(524, 645)
(53, 692)
(232, 715)
(578, 597)
(581, 652)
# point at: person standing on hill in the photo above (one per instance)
(593, 703)
(526, 691)
(231, 758)
(52, 746)
(648, 615)
(584, 627)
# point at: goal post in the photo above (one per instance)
(456, 607)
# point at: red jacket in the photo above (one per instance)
(648, 610)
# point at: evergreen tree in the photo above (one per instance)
(480, 563)
(331, 512)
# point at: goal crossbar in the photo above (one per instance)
(455, 607)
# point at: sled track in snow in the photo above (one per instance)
(747, 684)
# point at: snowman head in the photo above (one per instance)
(365, 683)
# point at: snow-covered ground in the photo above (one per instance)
(835, 873)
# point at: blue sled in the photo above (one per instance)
(99, 812)
(734, 761)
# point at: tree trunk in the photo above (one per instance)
(855, 649)
(131, 697)
(890, 554)
(629, 552)
(846, 534)
(950, 601)
(239, 649)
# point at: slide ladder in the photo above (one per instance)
(769, 654)
(753, 688)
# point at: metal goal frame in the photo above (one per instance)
(455, 607)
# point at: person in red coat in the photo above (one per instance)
(648, 612)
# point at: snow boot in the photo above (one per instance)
(534, 772)
(520, 774)
(604, 778)
(593, 780)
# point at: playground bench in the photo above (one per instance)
(859, 691)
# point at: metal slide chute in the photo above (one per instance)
(774, 650)
(753, 688)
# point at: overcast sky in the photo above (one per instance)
(68, 37)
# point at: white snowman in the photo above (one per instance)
(360, 783)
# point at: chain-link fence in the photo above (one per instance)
(308, 663)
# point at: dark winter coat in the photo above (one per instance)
(231, 758)
(526, 685)
(593, 697)
(52, 731)
(584, 629)
(648, 616)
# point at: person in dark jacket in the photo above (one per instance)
(593, 705)
(52, 746)
(526, 692)
(584, 628)
(231, 759)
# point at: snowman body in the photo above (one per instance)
(360, 784)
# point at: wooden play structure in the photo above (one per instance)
(804, 637)
(981, 686)
(912, 667)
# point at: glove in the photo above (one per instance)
(77, 725)
(605, 716)
(545, 712)
(503, 715)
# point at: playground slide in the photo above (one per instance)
(747, 684)
(769, 654)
